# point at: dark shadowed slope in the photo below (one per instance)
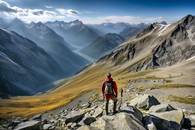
(25, 68)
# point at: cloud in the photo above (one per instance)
(36, 15)
(126, 19)
(68, 12)
(52, 14)
(71, 11)
(5, 7)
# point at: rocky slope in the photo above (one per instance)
(144, 112)
(158, 45)
(103, 45)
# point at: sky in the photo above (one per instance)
(97, 11)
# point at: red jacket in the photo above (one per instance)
(114, 88)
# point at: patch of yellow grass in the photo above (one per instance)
(185, 100)
(165, 85)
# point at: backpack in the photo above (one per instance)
(109, 88)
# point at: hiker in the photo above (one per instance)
(109, 91)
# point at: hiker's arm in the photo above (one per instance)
(115, 89)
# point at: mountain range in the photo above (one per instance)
(159, 45)
(158, 60)
(56, 42)
(84, 35)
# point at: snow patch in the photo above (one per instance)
(163, 28)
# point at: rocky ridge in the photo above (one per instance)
(163, 45)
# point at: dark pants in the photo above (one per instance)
(114, 99)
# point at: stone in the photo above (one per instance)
(151, 126)
(86, 127)
(98, 112)
(74, 116)
(29, 125)
(169, 120)
(144, 101)
(88, 120)
(132, 110)
(174, 115)
(161, 108)
(102, 124)
(36, 117)
(120, 121)
(192, 120)
(47, 126)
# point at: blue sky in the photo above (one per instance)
(98, 11)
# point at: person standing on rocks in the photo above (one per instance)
(110, 91)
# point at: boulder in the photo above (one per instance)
(132, 110)
(120, 121)
(161, 108)
(88, 120)
(36, 117)
(98, 112)
(74, 116)
(86, 127)
(29, 125)
(151, 126)
(144, 101)
(169, 120)
(192, 120)
(47, 126)
(102, 124)
(173, 116)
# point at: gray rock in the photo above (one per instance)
(86, 127)
(120, 121)
(29, 125)
(170, 120)
(36, 117)
(132, 110)
(151, 126)
(102, 124)
(88, 120)
(47, 126)
(192, 120)
(98, 112)
(161, 108)
(144, 101)
(74, 116)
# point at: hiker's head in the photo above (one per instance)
(109, 75)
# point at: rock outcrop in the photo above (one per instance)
(144, 101)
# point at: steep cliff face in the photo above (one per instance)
(157, 46)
